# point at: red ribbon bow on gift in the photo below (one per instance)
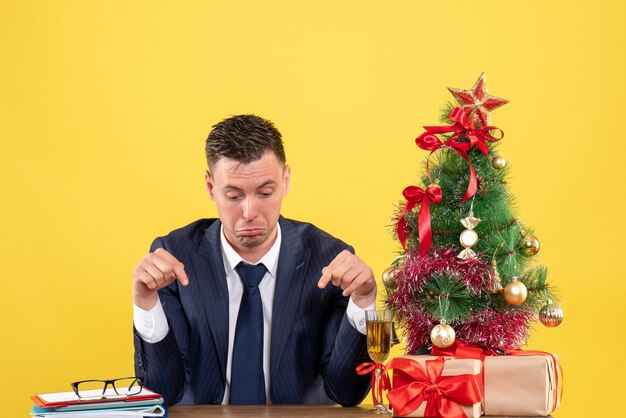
(443, 395)
(385, 384)
(463, 127)
(461, 350)
(414, 196)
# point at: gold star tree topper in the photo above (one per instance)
(477, 102)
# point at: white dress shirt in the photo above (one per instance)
(152, 325)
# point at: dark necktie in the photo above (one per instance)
(247, 381)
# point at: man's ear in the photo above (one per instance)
(287, 178)
(210, 186)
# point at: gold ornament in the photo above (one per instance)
(389, 276)
(498, 162)
(551, 315)
(469, 237)
(435, 185)
(442, 335)
(494, 277)
(530, 244)
(515, 292)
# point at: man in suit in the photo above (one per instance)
(251, 308)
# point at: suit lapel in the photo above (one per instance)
(292, 266)
(209, 268)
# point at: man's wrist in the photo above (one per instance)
(146, 303)
(151, 325)
(356, 315)
(364, 301)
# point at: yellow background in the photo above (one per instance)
(104, 108)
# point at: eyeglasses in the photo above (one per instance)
(104, 389)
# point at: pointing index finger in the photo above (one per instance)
(177, 267)
(328, 271)
(326, 277)
(179, 270)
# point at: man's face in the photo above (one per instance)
(248, 199)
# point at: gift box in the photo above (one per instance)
(435, 387)
(521, 384)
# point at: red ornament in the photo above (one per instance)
(477, 102)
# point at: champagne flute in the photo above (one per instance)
(378, 325)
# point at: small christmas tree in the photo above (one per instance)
(467, 270)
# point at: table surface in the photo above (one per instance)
(300, 411)
(272, 411)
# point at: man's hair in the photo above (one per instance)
(243, 138)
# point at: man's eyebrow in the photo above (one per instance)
(231, 187)
(265, 184)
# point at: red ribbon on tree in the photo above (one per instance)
(385, 383)
(463, 127)
(414, 196)
(443, 395)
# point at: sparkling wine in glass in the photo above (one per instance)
(378, 325)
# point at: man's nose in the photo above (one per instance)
(249, 210)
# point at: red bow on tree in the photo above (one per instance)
(463, 127)
(443, 395)
(414, 196)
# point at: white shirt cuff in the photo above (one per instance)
(356, 315)
(151, 325)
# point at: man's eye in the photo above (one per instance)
(266, 193)
(233, 196)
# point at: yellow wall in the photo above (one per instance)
(104, 107)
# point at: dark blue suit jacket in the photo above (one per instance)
(314, 349)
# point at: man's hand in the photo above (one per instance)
(351, 274)
(156, 270)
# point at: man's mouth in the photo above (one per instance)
(248, 232)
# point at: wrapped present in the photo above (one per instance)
(524, 383)
(429, 386)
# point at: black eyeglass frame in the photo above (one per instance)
(136, 381)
